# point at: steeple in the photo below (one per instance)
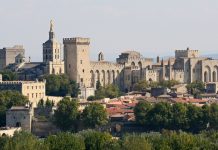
(51, 31)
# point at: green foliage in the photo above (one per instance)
(91, 98)
(98, 85)
(65, 141)
(168, 83)
(213, 117)
(110, 91)
(23, 141)
(65, 116)
(140, 111)
(40, 103)
(177, 116)
(135, 142)
(196, 88)
(159, 117)
(94, 115)
(8, 75)
(9, 99)
(96, 140)
(60, 85)
(49, 103)
(143, 84)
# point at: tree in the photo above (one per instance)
(8, 75)
(9, 99)
(25, 141)
(65, 141)
(98, 85)
(49, 103)
(160, 116)
(213, 116)
(94, 115)
(61, 85)
(110, 91)
(196, 119)
(168, 83)
(95, 140)
(135, 142)
(196, 88)
(141, 110)
(179, 118)
(91, 98)
(141, 86)
(74, 89)
(66, 114)
(40, 103)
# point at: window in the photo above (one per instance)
(32, 95)
(69, 65)
(27, 87)
(36, 87)
(83, 70)
(81, 79)
(81, 62)
(36, 95)
(32, 87)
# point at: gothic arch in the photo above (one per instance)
(207, 74)
(140, 67)
(214, 76)
(216, 71)
(108, 77)
(103, 78)
(98, 76)
(92, 78)
(118, 78)
(113, 76)
(133, 64)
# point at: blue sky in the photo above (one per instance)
(152, 27)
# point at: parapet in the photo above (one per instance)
(77, 40)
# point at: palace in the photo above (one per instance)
(130, 66)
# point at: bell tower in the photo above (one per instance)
(52, 53)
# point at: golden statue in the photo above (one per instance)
(51, 26)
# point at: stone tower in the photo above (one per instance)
(77, 63)
(52, 53)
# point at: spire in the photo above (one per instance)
(51, 31)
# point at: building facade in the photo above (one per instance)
(33, 90)
(8, 55)
(130, 67)
(52, 60)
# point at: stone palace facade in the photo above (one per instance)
(130, 66)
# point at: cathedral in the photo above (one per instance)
(52, 61)
(130, 66)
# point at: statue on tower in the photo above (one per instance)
(51, 26)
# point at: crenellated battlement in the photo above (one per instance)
(106, 63)
(187, 53)
(76, 40)
(178, 71)
(151, 71)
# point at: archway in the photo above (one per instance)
(103, 78)
(92, 78)
(214, 76)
